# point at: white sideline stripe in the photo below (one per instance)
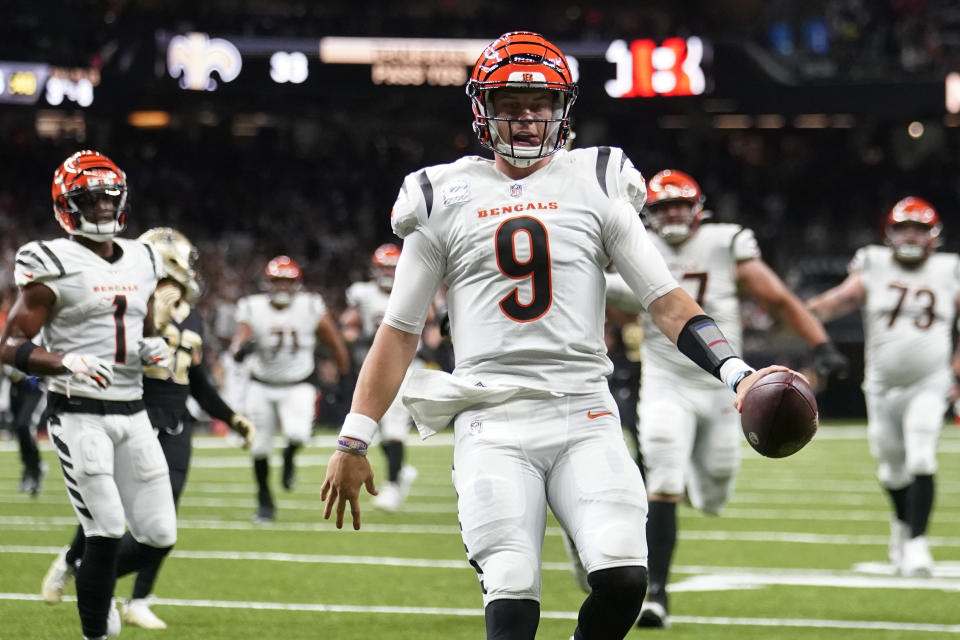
(50, 522)
(555, 615)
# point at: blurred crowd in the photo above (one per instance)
(819, 38)
(319, 185)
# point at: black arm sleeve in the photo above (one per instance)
(207, 395)
(701, 341)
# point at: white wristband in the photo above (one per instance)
(359, 427)
(731, 370)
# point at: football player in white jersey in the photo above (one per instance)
(280, 329)
(909, 295)
(89, 299)
(689, 434)
(522, 241)
(165, 393)
(366, 306)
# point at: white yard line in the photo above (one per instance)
(56, 522)
(947, 576)
(555, 615)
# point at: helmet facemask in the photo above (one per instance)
(86, 209)
(913, 230)
(674, 220)
(552, 131)
(912, 242)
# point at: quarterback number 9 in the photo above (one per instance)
(535, 266)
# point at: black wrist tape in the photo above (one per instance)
(702, 341)
(22, 356)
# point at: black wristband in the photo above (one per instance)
(22, 356)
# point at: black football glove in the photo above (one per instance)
(443, 321)
(245, 350)
(829, 362)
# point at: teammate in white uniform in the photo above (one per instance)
(89, 300)
(909, 295)
(521, 242)
(367, 305)
(689, 432)
(281, 329)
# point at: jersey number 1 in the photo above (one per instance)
(120, 355)
(536, 267)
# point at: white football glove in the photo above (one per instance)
(165, 300)
(155, 352)
(88, 370)
(244, 427)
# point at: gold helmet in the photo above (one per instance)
(178, 255)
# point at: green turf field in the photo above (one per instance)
(800, 553)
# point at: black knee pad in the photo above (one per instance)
(628, 583)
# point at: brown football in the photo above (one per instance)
(779, 414)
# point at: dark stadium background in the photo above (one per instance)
(803, 132)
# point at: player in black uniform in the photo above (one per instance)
(165, 394)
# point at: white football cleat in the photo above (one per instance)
(899, 534)
(113, 620)
(57, 578)
(137, 612)
(390, 498)
(917, 561)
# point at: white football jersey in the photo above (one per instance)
(706, 267)
(908, 315)
(371, 301)
(286, 337)
(523, 261)
(99, 310)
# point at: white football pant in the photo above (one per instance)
(115, 471)
(690, 440)
(513, 459)
(903, 426)
(289, 407)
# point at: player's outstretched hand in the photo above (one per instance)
(345, 474)
(753, 378)
(155, 352)
(828, 361)
(244, 427)
(88, 370)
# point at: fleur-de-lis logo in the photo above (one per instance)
(195, 56)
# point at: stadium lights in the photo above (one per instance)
(732, 121)
(770, 121)
(810, 121)
(952, 89)
(149, 119)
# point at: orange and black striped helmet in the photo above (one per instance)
(521, 61)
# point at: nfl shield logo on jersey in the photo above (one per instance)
(516, 190)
